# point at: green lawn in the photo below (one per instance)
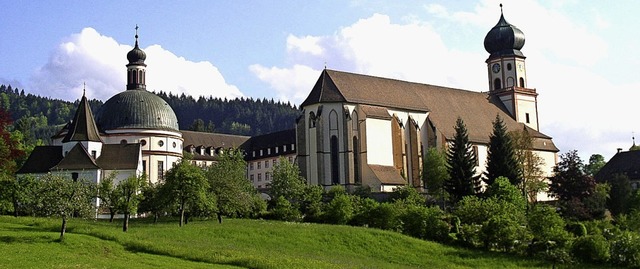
(236, 243)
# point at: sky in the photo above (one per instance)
(582, 56)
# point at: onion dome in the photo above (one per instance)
(136, 110)
(136, 55)
(504, 39)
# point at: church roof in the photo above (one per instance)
(478, 110)
(626, 163)
(77, 159)
(387, 175)
(41, 160)
(119, 156)
(83, 126)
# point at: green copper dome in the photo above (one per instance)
(136, 109)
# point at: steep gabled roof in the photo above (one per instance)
(42, 159)
(77, 159)
(83, 127)
(478, 110)
(119, 156)
(626, 162)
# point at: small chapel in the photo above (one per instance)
(365, 130)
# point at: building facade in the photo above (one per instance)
(363, 130)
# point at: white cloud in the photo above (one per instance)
(99, 61)
(289, 83)
(579, 107)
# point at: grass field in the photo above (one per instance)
(236, 243)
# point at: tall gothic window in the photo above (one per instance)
(356, 160)
(335, 173)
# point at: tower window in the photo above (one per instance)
(497, 84)
(509, 66)
(94, 154)
(527, 117)
(522, 82)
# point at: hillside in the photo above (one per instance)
(234, 243)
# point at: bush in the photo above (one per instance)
(578, 229)
(504, 233)
(339, 210)
(284, 210)
(386, 217)
(625, 249)
(363, 211)
(425, 223)
(591, 248)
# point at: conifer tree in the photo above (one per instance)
(461, 162)
(501, 159)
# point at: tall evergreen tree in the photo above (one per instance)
(501, 159)
(461, 162)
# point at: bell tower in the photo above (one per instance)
(136, 69)
(507, 72)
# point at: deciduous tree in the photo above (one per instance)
(596, 162)
(129, 192)
(64, 198)
(571, 185)
(530, 163)
(187, 187)
(435, 174)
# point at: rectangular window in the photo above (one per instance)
(284, 148)
(276, 150)
(251, 177)
(273, 162)
(291, 159)
(94, 154)
(160, 170)
(266, 164)
(269, 151)
(259, 165)
(144, 167)
(260, 152)
(259, 177)
(250, 166)
(527, 116)
(267, 176)
(293, 146)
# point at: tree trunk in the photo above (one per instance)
(112, 213)
(219, 217)
(125, 222)
(181, 214)
(15, 208)
(186, 218)
(64, 227)
(155, 218)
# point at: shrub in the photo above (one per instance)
(284, 210)
(425, 223)
(503, 233)
(363, 211)
(386, 217)
(591, 248)
(625, 249)
(577, 229)
(339, 210)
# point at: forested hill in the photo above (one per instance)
(244, 116)
(40, 117)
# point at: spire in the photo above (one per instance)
(83, 126)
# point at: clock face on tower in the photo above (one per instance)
(495, 68)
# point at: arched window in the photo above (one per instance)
(333, 120)
(135, 77)
(356, 160)
(522, 82)
(140, 76)
(497, 84)
(335, 173)
(354, 120)
(312, 120)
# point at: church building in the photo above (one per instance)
(135, 132)
(365, 130)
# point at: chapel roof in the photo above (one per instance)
(119, 156)
(83, 126)
(77, 159)
(41, 160)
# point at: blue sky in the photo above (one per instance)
(582, 56)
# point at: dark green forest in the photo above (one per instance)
(38, 117)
